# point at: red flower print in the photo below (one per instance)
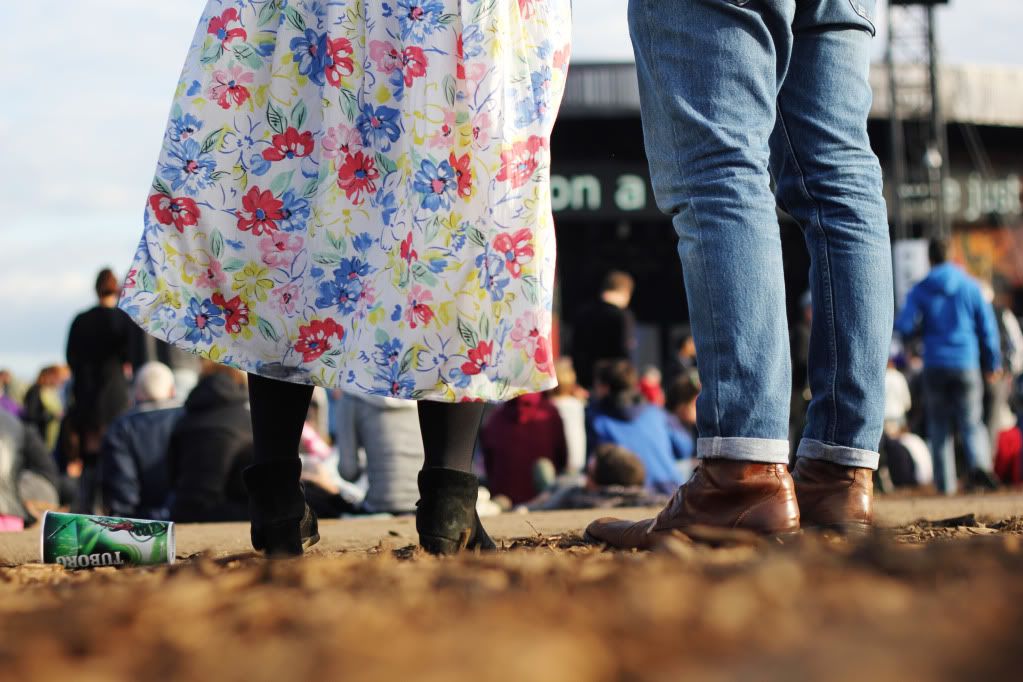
(340, 64)
(314, 338)
(181, 212)
(129, 279)
(236, 312)
(408, 254)
(356, 175)
(460, 52)
(515, 250)
(526, 8)
(290, 144)
(519, 163)
(542, 356)
(463, 172)
(260, 212)
(414, 63)
(218, 27)
(480, 358)
(229, 87)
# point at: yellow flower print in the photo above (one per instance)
(253, 282)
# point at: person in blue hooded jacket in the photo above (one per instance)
(961, 350)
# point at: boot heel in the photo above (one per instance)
(441, 546)
(281, 539)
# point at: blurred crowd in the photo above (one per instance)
(130, 427)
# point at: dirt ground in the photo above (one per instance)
(925, 600)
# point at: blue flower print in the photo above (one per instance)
(419, 18)
(295, 211)
(536, 106)
(204, 321)
(437, 183)
(387, 353)
(310, 52)
(362, 242)
(183, 127)
(258, 165)
(379, 127)
(491, 269)
(394, 383)
(188, 168)
(346, 288)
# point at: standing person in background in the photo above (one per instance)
(570, 400)
(98, 352)
(134, 472)
(961, 352)
(27, 474)
(604, 329)
(998, 415)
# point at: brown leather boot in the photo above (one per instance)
(723, 493)
(834, 497)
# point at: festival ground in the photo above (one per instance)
(934, 599)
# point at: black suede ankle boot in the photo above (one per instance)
(446, 516)
(282, 522)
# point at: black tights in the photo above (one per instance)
(279, 410)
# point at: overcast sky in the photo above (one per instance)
(87, 87)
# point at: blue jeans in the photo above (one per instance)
(955, 398)
(734, 92)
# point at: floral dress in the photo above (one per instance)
(356, 194)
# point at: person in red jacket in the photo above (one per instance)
(518, 435)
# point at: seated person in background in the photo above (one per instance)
(28, 474)
(680, 402)
(619, 415)
(133, 457)
(387, 431)
(210, 446)
(519, 434)
(325, 492)
(1009, 453)
(615, 477)
(651, 386)
(570, 400)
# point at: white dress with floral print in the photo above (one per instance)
(356, 194)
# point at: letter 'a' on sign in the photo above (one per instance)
(631, 193)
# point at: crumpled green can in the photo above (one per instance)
(83, 541)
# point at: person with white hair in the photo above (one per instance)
(133, 472)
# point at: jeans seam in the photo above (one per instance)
(825, 269)
(715, 379)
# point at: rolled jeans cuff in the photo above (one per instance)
(762, 450)
(838, 454)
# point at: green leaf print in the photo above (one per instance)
(295, 19)
(267, 330)
(381, 337)
(406, 360)
(385, 164)
(269, 12)
(299, 114)
(324, 258)
(531, 289)
(311, 187)
(212, 52)
(234, 265)
(211, 141)
(145, 281)
(281, 183)
(485, 327)
(248, 56)
(422, 273)
(161, 187)
(216, 243)
(349, 104)
(450, 89)
(275, 117)
(477, 237)
(467, 333)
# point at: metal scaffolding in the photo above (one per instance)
(918, 135)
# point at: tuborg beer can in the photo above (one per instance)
(82, 541)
